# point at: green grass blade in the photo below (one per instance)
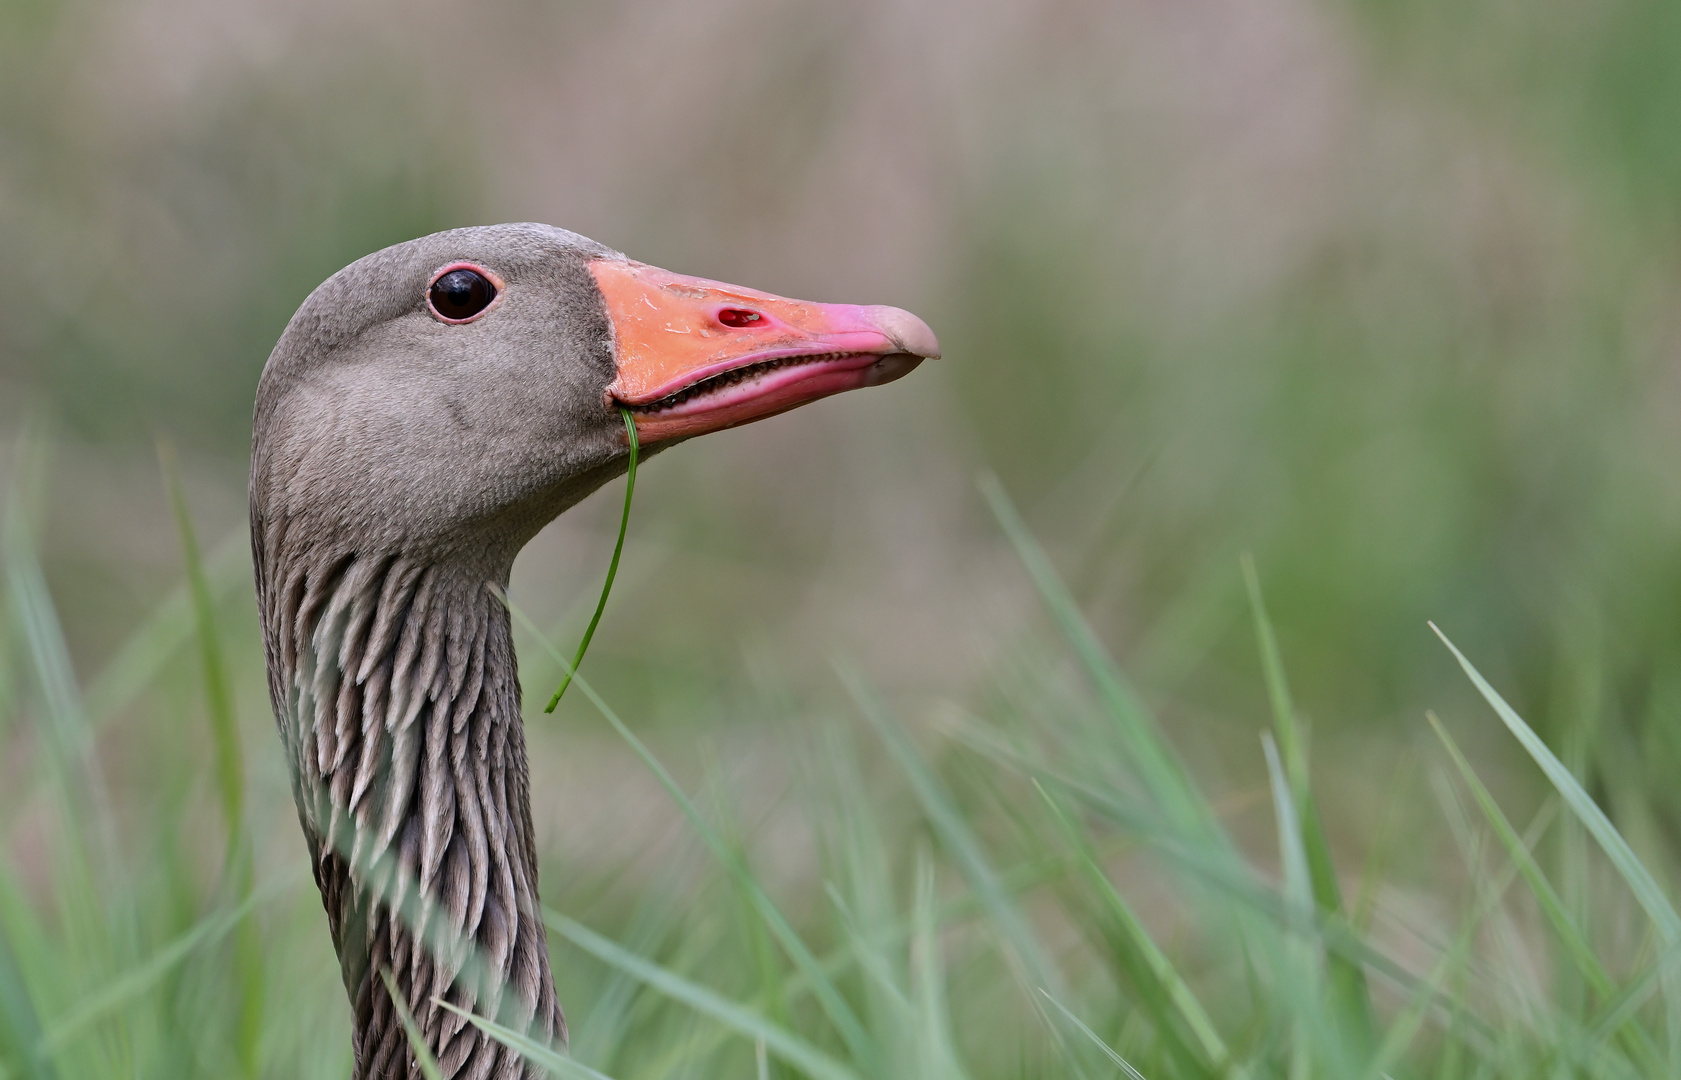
(1407, 1023)
(1454, 960)
(779, 1041)
(1021, 945)
(20, 1027)
(237, 871)
(1154, 761)
(763, 952)
(1159, 981)
(1301, 971)
(128, 985)
(1348, 980)
(1209, 863)
(1552, 906)
(1620, 1009)
(411, 1030)
(545, 1057)
(33, 977)
(887, 932)
(861, 891)
(85, 855)
(1646, 890)
(612, 567)
(656, 918)
(1291, 853)
(170, 625)
(224, 724)
(1080, 1025)
(956, 836)
(858, 1041)
(49, 655)
(937, 1052)
(10, 690)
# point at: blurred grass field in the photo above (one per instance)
(1377, 299)
(1046, 890)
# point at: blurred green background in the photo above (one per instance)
(1382, 291)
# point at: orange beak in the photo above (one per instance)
(696, 356)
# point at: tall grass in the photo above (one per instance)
(1036, 884)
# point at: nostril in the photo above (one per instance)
(739, 317)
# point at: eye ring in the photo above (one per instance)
(469, 291)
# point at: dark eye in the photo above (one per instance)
(461, 294)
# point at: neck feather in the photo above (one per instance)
(395, 689)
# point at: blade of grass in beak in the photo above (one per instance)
(612, 567)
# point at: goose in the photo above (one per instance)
(427, 410)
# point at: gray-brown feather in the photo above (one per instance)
(416, 811)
